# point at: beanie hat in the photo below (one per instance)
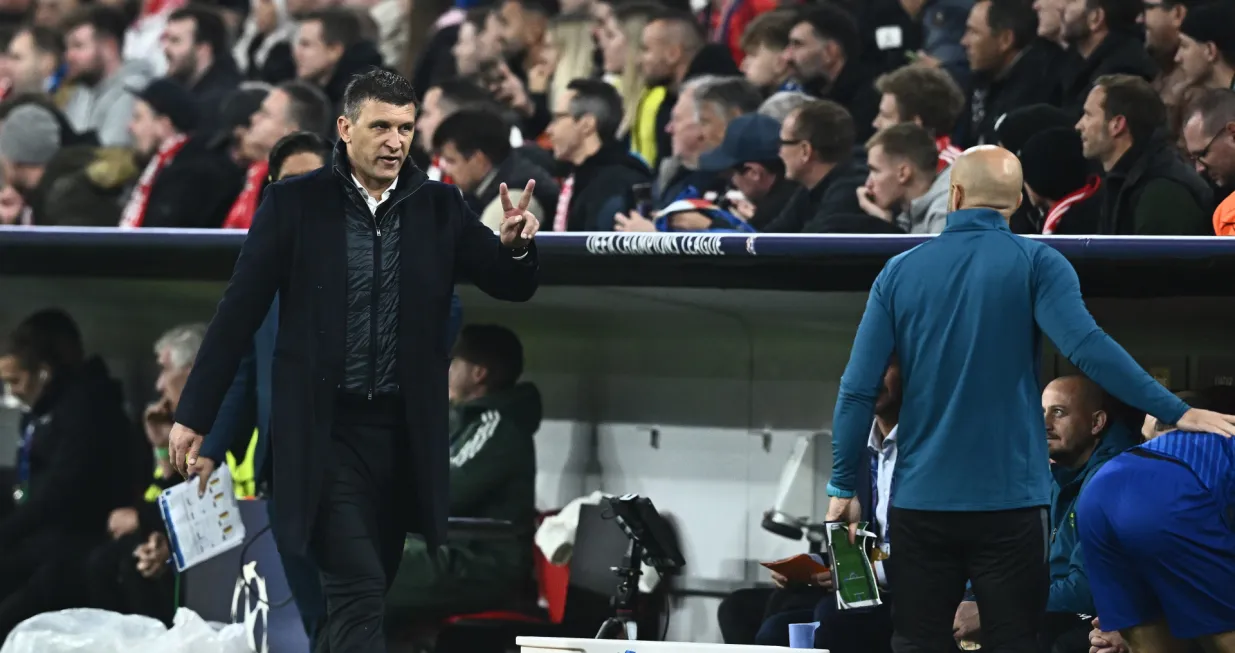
(1016, 126)
(30, 135)
(171, 100)
(1053, 164)
(1212, 23)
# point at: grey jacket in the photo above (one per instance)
(928, 214)
(107, 107)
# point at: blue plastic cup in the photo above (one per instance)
(802, 635)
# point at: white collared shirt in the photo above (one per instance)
(368, 198)
(885, 462)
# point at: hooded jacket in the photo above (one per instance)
(602, 188)
(1069, 585)
(928, 214)
(107, 107)
(1153, 191)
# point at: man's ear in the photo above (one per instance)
(344, 127)
(1099, 422)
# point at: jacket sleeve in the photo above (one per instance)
(1061, 314)
(81, 447)
(237, 413)
(859, 388)
(244, 306)
(496, 452)
(1071, 593)
(481, 258)
(1167, 209)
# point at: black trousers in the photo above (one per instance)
(358, 536)
(933, 553)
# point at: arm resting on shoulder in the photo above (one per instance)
(1061, 314)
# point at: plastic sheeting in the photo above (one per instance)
(100, 631)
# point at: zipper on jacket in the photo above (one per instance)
(376, 292)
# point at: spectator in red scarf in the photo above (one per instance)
(188, 180)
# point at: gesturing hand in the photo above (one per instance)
(519, 226)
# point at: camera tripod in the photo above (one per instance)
(622, 625)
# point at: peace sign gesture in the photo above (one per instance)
(519, 226)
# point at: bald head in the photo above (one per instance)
(1073, 408)
(1084, 393)
(986, 177)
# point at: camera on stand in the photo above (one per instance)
(651, 542)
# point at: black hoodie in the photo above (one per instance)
(602, 188)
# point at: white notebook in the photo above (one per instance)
(202, 527)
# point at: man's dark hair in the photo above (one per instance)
(1121, 15)
(769, 30)
(731, 96)
(208, 27)
(340, 26)
(910, 142)
(495, 348)
(45, 39)
(1216, 107)
(48, 337)
(293, 144)
(691, 34)
(836, 24)
(463, 93)
(928, 94)
(829, 129)
(107, 22)
(475, 130)
(308, 107)
(600, 100)
(1016, 16)
(1134, 99)
(377, 86)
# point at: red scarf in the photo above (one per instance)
(241, 214)
(560, 217)
(436, 173)
(947, 152)
(1052, 218)
(135, 211)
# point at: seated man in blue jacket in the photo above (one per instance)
(1082, 434)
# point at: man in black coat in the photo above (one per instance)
(363, 254)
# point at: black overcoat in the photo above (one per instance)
(297, 247)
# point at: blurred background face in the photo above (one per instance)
(266, 126)
(431, 115)
(512, 22)
(655, 54)
(1213, 154)
(1050, 18)
(885, 181)
(82, 56)
(805, 55)
(1193, 59)
(564, 131)
(1076, 21)
(24, 178)
(469, 50)
(179, 49)
(314, 60)
(300, 163)
(613, 46)
(889, 112)
(793, 151)
(28, 67)
(466, 171)
(1161, 27)
(265, 16)
(982, 46)
(25, 385)
(51, 13)
(684, 129)
(148, 130)
(764, 67)
(171, 379)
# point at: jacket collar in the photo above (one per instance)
(410, 177)
(976, 219)
(1115, 440)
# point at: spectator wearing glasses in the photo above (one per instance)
(750, 157)
(1150, 189)
(927, 97)
(1206, 53)
(903, 187)
(1209, 135)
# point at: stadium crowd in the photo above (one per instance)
(638, 115)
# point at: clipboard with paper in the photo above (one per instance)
(202, 527)
(853, 575)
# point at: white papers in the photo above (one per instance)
(200, 528)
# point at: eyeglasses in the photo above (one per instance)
(1199, 157)
(791, 143)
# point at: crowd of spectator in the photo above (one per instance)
(836, 116)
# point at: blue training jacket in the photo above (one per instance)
(964, 313)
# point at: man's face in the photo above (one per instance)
(765, 68)
(51, 13)
(171, 380)
(889, 112)
(83, 56)
(512, 21)
(432, 114)
(712, 124)
(614, 46)
(794, 152)
(982, 45)
(565, 133)
(180, 49)
(1094, 128)
(752, 180)
(267, 125)
(1214, 154)
(686, 134)
(1076, 21)
(467, 50)
(147, 130)
(314, 59)
(23, 384)
(29, 67)
(464, 380)
(1161, 27)
(1050, 18)
(656, 54)
(887, 178)
(379, 140)
(806, 56)
(466, 171)
(1193, 59)
(1072, 427)
(23, 177)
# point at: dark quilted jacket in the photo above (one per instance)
(370, 363)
